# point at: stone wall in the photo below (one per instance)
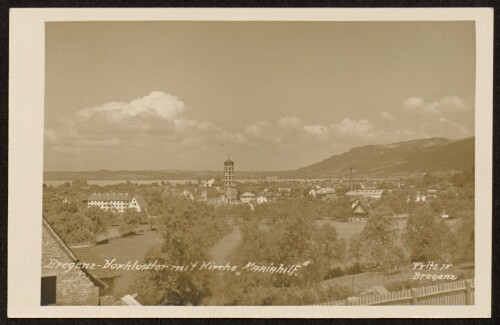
(73, 287)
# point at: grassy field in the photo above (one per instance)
(363, 281)
(344, 229)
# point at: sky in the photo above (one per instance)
(269, 95)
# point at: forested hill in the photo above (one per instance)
(423, 155)
(430, 154)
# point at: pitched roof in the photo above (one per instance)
(325, 190)
(70, 253)
(141, 201)
(212, 192)
(247, 194)
(229, 161)
(109, 197)
(87, 254)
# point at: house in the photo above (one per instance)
(416, 197)
(359, 211)
(247, 197)
(118, 202)
(265, 197)
(138, 203)
(87, 254)
(211, 196)
(325, 192)
(67, 278)
(230, 195)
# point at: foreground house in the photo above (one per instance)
(63, 285)
(359, 211)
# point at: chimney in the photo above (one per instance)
(350, 179)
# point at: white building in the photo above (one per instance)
(247, 197)
(367, 194)
(118, 202)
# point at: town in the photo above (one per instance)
(87, 220)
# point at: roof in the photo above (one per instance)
(365, 193)
(129, 300)
(87, 254)
(325, 190)
(247, 194)
(212, 192)
(141, 201)
(364, 205)
(109, 197)
(70, 253)
(229, 161)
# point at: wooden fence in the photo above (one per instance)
(444, 294)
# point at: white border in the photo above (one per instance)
(26, 106)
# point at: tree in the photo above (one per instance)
(464, 237)
(96, 215)
(377, 242)
(130, 223)
(426, 238)
(73, 228)
(188, 229)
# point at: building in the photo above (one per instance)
(138, 203)
(366, 194)
(265, 197)
(228, 173)
(247, 197)
(117, 202)
(359, 211)
(211, 196)
(324, 192)
(71, 286)
(86, 253)
(230, 195)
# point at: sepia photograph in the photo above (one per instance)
(319, 163)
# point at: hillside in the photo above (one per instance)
(422, 155)
(431, 154)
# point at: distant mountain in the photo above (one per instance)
(407, 157)
(430, 154)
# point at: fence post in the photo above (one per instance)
(414, 295)
(468, 293)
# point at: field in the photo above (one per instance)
(134, 248)
(344, 229)
(363, 281)
(126, 249)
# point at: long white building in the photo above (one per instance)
(118, 202)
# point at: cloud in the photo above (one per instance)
(289, 122)
(317, 129)
(155, 105)
(255, 130)
(413, 102)
(447, 104)
(388, 116)
(362, 129)
(154, 118)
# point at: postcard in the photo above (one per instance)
(304, 163)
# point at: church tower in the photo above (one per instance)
(228, 173)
